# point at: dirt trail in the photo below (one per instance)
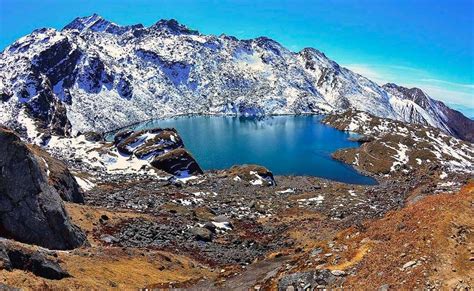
(248, 279)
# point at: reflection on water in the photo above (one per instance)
(287, 145)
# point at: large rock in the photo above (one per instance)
(201, 234)
(59, 176)
(31, 210)
(32, 261)
(177, 162)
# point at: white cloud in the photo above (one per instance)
(468, 86)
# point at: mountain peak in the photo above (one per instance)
(81, 23)
(97, 23)
(413, 93)
(172, 26)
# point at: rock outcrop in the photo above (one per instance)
(177, 162)
(397, 147)
(146, 143)
(31, 210)
(164, 148)
(36, 262)
(254, 174)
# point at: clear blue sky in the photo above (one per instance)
(429, 44)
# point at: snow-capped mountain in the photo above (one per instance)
(95, 75)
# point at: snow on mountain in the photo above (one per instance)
(417, 107)
(95, 75)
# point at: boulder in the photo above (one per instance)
(254, 174)
(202, 234)
(36, 262)
(177, 162)
(93, 136)
(121, 135)
(31, 210)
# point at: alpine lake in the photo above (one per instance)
(285, 144)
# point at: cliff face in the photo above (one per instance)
(31, 210)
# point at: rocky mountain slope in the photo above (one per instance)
(97, 75)
(392, 146)
(243, 228)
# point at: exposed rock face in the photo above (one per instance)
(254, 174)
(163, 148)
(31, 210)
(177, 162)
(59, 176)
(440, 115)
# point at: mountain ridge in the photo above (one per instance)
(70, 79)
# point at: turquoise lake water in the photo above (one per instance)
(287, 145)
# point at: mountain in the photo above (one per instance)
(95, 75)
(415, 104)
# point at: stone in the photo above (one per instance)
(38, 264)
(409, 264)
(35, 262)
(31, 210)
(316, 251)
(338, 273)
(109, 239)
(202, 234)
(93, 136)
(221, 218)
(210, 226)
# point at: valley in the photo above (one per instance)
(244, 227)
(158, 157)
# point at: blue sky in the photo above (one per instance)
(428, 44)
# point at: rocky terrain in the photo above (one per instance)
(68, 81)
(168, 224)
(390, 146)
